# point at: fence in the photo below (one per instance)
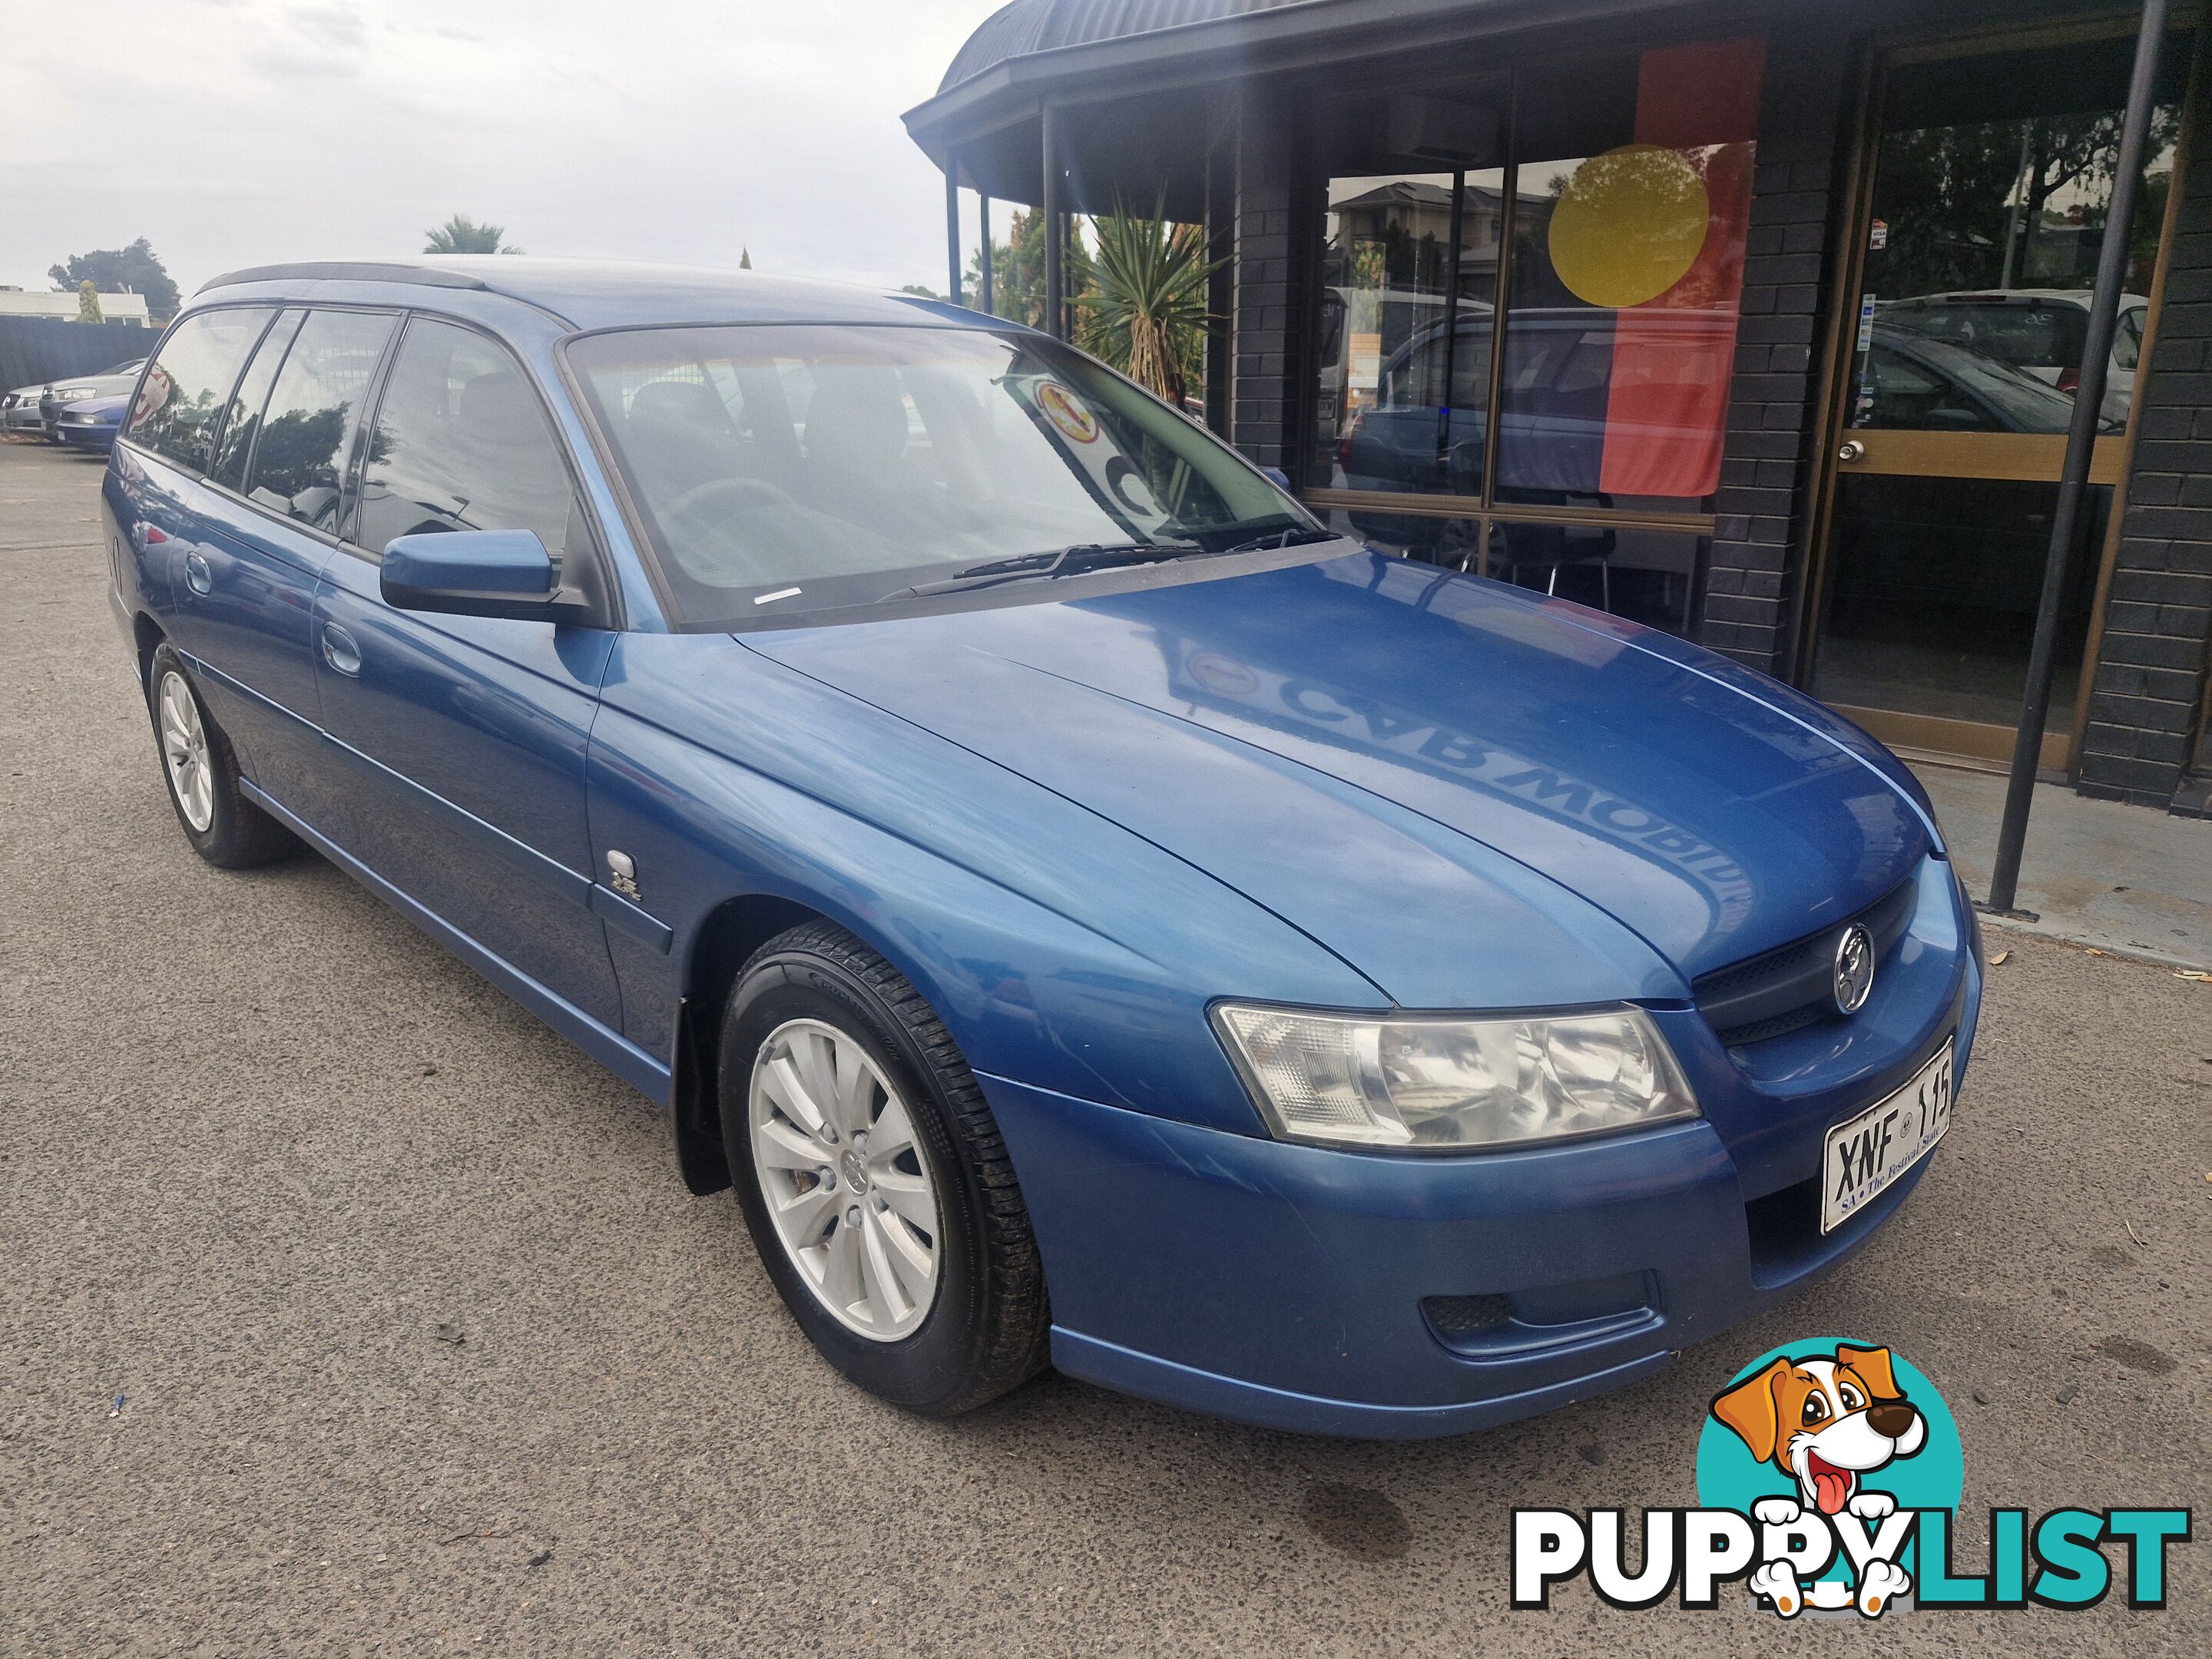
(36, 349)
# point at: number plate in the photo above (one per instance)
(1865, 1154)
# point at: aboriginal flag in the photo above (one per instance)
(1626, 393)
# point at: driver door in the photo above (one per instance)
(465, 736)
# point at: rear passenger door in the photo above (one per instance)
(240, 620)
(464, 736)
(276, 493)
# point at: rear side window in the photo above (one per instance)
(252, 397)
(299, 457)
(181, 400)
(462, 443)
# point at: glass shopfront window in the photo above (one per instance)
(1402, 391)
(1590, 256)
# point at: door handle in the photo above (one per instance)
(1850, 450)
(339, 650)
(197, 577)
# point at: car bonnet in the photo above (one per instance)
(1411, 766)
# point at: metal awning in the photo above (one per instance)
(1146, 57)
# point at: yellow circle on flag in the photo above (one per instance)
(1629, 225)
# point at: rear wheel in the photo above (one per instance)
(874, 1180)
(201, 768)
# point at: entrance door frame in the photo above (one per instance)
(1917, 736)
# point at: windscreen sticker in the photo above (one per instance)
(1065, 412)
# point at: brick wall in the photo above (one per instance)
(1265, 331)
(2148, 698)
(1753, 574)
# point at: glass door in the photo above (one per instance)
(1991, 171)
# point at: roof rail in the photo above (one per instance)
(347, 271)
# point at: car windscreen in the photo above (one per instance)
(804, 467)
(2026, 335)
(2027, 404)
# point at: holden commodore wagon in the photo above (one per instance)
(1092, 913)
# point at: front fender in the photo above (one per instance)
(1057, 947)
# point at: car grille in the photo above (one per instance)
(1793, 986)
(1466, 1316)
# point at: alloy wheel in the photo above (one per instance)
(185, 751)
(848, 1188)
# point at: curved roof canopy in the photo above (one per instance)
(1032, 26)
(1136, 82)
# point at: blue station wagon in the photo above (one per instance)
(1092, 914)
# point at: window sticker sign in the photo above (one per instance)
(1117, 483)
(1065, 411)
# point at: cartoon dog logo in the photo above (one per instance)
(1825, 1421)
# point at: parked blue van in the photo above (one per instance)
(1092, 913)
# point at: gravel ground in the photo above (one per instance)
(422, 1348)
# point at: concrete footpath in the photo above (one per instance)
(2097, 873)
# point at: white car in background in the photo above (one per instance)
(2039, 331)
(19, 410)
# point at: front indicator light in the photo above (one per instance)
(1422, 1083)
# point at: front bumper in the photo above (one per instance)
(100, 435)
(1360, 1293)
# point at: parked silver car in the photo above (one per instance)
(20, 408)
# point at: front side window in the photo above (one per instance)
(461, 442)
(298, 459)
(799, 468)
(181, 400)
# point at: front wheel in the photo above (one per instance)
(874, 1180)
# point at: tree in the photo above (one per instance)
(1144, 312)
(462, 235)
(132, 269)
(88, 302)
(919, 292)
(1017, 271)
(744, 258)
(2012, 204)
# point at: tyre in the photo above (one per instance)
(874, 1180)
(224, 828)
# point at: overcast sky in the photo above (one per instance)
(237, 132)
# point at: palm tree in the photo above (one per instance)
(1145, 312)
(462, 235)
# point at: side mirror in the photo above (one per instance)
(1277, 476)
(476, 573)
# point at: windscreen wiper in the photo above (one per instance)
(1295, 536)
(1066, 562)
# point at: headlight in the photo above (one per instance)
(71, 394)
(1425, 1085)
